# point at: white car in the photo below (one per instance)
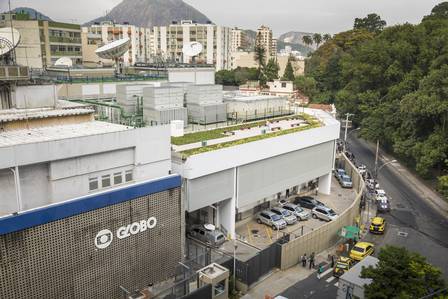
(381, 197)
(372, 184)
(362, 169)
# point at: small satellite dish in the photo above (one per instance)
(114, 49)
(209, 227)
(64, 61)
(9, 39)
(192, 49)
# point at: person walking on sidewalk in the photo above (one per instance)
(320, 270)
(304, 260)
(312, 260)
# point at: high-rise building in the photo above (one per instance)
(168, 41)
(44, 42)
(238, 41)
(266, 40)
(98, 35)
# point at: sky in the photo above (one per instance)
(324, 16)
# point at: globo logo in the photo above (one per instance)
(104, 238)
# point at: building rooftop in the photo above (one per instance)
(353, 275)
(209, 140)
(23, 114)
(35, 135)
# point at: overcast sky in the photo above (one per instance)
(281, 15)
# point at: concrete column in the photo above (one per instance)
(226, 215)
(325, 184)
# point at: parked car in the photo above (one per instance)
(361, 250)
(380, 192)
(307, 202)
(338, 172)
(378, 225)
(345, 181)
(273, 220)
(324, 213)
(343, 264)
(282, 202)
(207, 234)
(289, 217)
(371, 184)
(383, 205)
(300, 213)
(362, 169)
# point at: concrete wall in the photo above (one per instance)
(199, 75)
(34, 96)
(326, 235)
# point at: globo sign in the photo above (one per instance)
(105, 237)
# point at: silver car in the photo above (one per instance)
(273, 220)
(346, 181)
(300, 213)
(324, 213)
(211, 237)
(288, 216)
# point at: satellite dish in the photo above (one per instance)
(209, 227)
(192, 49)
(9, 39)
(64, 61)
(114, 50)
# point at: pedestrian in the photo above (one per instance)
(332, 261)
(304, 260)
(312, 260)
(320, 270)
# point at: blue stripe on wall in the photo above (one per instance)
(52, 213)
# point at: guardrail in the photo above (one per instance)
(325, 236)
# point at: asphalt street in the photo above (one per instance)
(412, 223)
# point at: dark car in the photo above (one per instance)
(308, 202)
(383, 205)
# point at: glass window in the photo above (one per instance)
(128, 176)
(93, 184)
(105, 181)
(118, 178)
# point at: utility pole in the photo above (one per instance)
(376, 158)
(347, 115)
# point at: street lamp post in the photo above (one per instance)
(377, 171)
(347, 115)
(347, 135)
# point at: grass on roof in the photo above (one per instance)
(220, 132)
(311, 123)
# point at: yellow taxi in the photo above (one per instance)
(343, 264)
(378, 225)
(361, 250)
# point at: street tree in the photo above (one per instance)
(401, 274)
(288, 75)
(271, 70)
(372, 23)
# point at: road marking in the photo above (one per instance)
(336, 284)
(330, 279)
(403, 234)
(326, 272)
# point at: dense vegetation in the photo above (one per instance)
(395, 82)
(402, 274)
(236, 77)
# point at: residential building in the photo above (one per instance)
(298, 65)
(98, 35)
(87, 208)
(243, 59)
(44, 42)
(168, 41)
(266, 40)
(238, 40)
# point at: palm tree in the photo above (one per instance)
(307, 40)
(326, 37)
(317, 38)
(260, 58)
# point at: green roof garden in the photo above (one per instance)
(309, 121)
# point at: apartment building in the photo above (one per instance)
(44, 42)
(239, 40)
(98, 35)
(266, 40)
(168, 41)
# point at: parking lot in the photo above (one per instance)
(261, 235)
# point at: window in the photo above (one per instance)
(93, 184)
(118, 178)
(128, 176)
(105, 181)
(283, 85)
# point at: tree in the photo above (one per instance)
(307, 40)
(271, 70)
(307, 85)
(372, 23)
(439, 11)
(317, 38)
(442, 186)
(401, 274)
(289, 72)
(326, 37)
(260, 58)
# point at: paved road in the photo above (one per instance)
(412, 223)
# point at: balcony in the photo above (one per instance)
(68, 40)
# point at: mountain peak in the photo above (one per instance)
(148, 13)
